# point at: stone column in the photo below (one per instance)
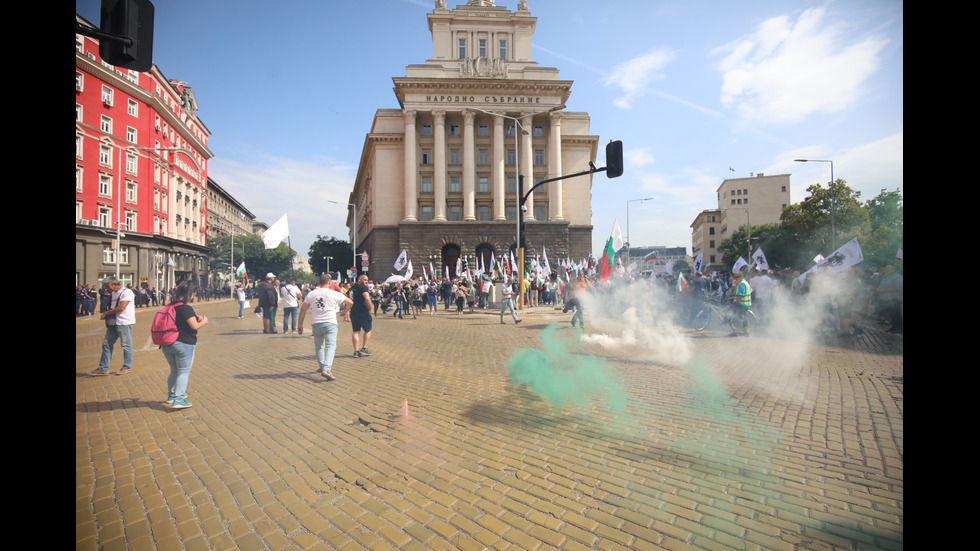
(439, 168)
(411, 168)
(469, 167)
(527, 162)
(499, 170)
(554, 167)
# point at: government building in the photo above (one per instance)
(438, 176)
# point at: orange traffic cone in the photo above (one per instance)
(405, 408)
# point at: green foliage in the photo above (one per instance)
(778, 244)
(805, 230)
(887, 218)
(343, 256)
(258, 260)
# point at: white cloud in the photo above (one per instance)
(784, 72)
(638, 157)
(635, 75)
(271, 186)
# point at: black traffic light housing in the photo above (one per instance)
(614, 159)
(130, 24)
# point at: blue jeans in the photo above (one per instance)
(507, 303)
(400, 304)
(180, 356)
(122, 333)
(289, 312)
(241, 308)
(325, 344)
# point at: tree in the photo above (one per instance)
(250, 249)
(809, 222)
(776, 242)
(340, 251)
(887, 219)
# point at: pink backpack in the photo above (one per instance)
(164, 326)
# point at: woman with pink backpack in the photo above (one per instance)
(180, 354)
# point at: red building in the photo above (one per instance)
(141, 156)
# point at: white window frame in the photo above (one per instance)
(131, 134)
(107, 95)
(132, 191)
(133, 108)
(105, 185)
(105, 124)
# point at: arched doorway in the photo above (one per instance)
(450, 255)
(484, 252)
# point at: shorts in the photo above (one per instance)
(359, 323)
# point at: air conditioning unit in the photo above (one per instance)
(84, 222)
(107, 102)
(96, 223)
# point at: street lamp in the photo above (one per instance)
(833, 206)
(520, 192)
(628, 245)
(327, 259)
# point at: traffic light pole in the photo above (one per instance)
(614, 169)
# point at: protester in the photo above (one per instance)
(325, 302)
(119, 321)
(180, 354)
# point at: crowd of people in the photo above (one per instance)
(845, 301)
(841, 300)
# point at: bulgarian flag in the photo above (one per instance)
(240, 272)
(651, 256)
(608, 261)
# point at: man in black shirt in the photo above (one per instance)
(360, 316)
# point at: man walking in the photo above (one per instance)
(268, 300)
(508, 302)
(325, 302)
(360, 316)
(119, 319)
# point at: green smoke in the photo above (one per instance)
(560, 374)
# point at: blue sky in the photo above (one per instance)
(693, 89)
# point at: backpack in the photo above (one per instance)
(164, 326)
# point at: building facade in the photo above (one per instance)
(438, 177)
(756, 200)
(141, 159)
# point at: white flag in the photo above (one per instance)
(276, 233)
(401, 261)
(408, 272)
(846, 256)
(546, 268)
(739, 264)
(699, 261)
(617, 236)
(759, 258)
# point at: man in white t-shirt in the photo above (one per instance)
(325, 302)
(119, 326)
(290, 295)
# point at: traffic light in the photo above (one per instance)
(614, 159)
(131, 23)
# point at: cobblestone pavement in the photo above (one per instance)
(750, 443)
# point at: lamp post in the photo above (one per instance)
(628, 245)
(520, 191)
(833, 206)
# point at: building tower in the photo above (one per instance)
(438, 177)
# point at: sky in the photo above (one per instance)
(698, 91)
